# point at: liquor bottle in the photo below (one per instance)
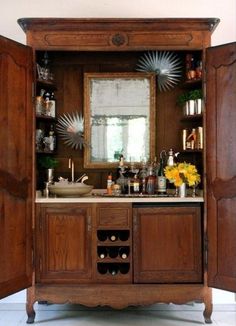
(151, 180)
(102, 252)
(52, 139)
(102, 235)
(124, 252)
(161, 179)
(109, 183)
(142, 177)
(47, 104)
(136, 184)
(52, 105)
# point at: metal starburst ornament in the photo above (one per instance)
(71, 129)
(166, 65)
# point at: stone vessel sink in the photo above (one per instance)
(72, 189)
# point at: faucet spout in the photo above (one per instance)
(72, 167)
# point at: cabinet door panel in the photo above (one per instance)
(16, 175)
(167, 245)
(64, 244)
(220, 166)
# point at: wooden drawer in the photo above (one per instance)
(113, 215)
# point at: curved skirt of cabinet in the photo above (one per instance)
(120, 296)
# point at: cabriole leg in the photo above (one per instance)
(208, 307)
(30, 306)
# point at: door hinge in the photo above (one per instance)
(40, 223)
(33, 91)
(89, 227)
(40, 264)
(205, 252)
(33, 257)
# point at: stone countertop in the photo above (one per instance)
(99, 196)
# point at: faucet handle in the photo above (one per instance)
(84, 179)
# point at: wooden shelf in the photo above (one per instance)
(46, 152)
(46, 83)
(45, 117)
(192, 83)
(191, 151)
(192, 117)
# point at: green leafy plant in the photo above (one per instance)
(47, 162)
(182, 99)
(190, 95)
(195, 94)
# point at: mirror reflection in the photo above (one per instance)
(119, 117)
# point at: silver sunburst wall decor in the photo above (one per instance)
(70, 128)
(167, 66)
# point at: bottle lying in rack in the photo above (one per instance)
(113, 236)
(113, 252)
(113, 268)
(124, 252)
(122, 235)
(102, 252)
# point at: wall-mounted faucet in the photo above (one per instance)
(72, 167)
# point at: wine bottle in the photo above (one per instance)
(124, 235)
(113, 252)
(102, 235)
(102, 268)
(124, 252)
(124, 268)
(161, 179)
(113, 236)
(113, 269)
(102, 252)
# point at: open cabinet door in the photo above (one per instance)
(16, 146)
(221, 165)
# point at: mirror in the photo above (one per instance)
(119, 116)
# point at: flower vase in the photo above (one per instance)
(182, 190)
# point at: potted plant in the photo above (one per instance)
(48, 163)
(196, 97)
(182, 101)
(191, 101)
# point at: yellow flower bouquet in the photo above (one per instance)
(182, 173)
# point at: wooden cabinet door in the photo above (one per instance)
(221, 166)
(63, 243)
(16, 186)
(167, 245)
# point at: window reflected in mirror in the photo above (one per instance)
(119, 112)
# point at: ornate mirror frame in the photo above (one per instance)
(96, 88)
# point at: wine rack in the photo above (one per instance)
(114, 251)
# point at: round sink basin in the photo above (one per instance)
(70, 189)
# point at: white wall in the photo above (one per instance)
(11, 10)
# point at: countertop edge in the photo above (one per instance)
(94, 199)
